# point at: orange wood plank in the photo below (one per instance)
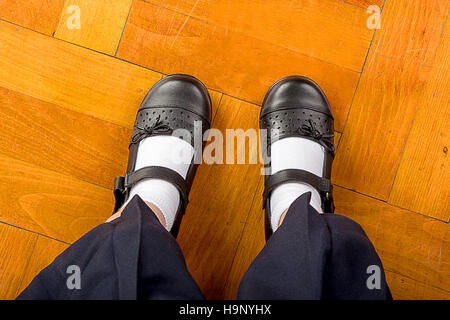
(422, 180)
(50, 203)
(63, 140)
(252, 242)
(386, 100)
(212, 225)
(409, 244)
(72, 77)
(407, 289)
(38, 15)
(337, 138)
(329, 30)
(45, 251)
(365, 3)
(225, 60)
(101, 24)
(413, 248)
(15, 252)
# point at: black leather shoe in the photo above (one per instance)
(295, 106)
(175, 102)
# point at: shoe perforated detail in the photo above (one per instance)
(175, 118)
(289, 123)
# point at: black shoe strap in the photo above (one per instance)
(123, 184)
(322, 185)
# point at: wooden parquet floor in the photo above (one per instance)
(68, 99)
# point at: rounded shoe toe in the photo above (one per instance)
(180, 91)
(294, 92)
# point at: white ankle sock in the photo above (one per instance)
(164, 151)
(294, 153)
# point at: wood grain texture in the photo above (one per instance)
(365, 3)
(45, 251)
(50, 203)
(102, 22)
(15, 252)
(72, 77)
(68, 142)
(393, 80)
(328, 30)
(224, 60)
(422, 180)
(411, 245)
(64, 141)
(217, 209)
(251, 243)
(337, 138)
(38, 15)
(404, 288)
(414, 249)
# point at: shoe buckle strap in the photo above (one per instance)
(119, 192)
(322, 185)
(123, 184)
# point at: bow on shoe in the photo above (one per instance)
(159, 127)
(323, 139)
